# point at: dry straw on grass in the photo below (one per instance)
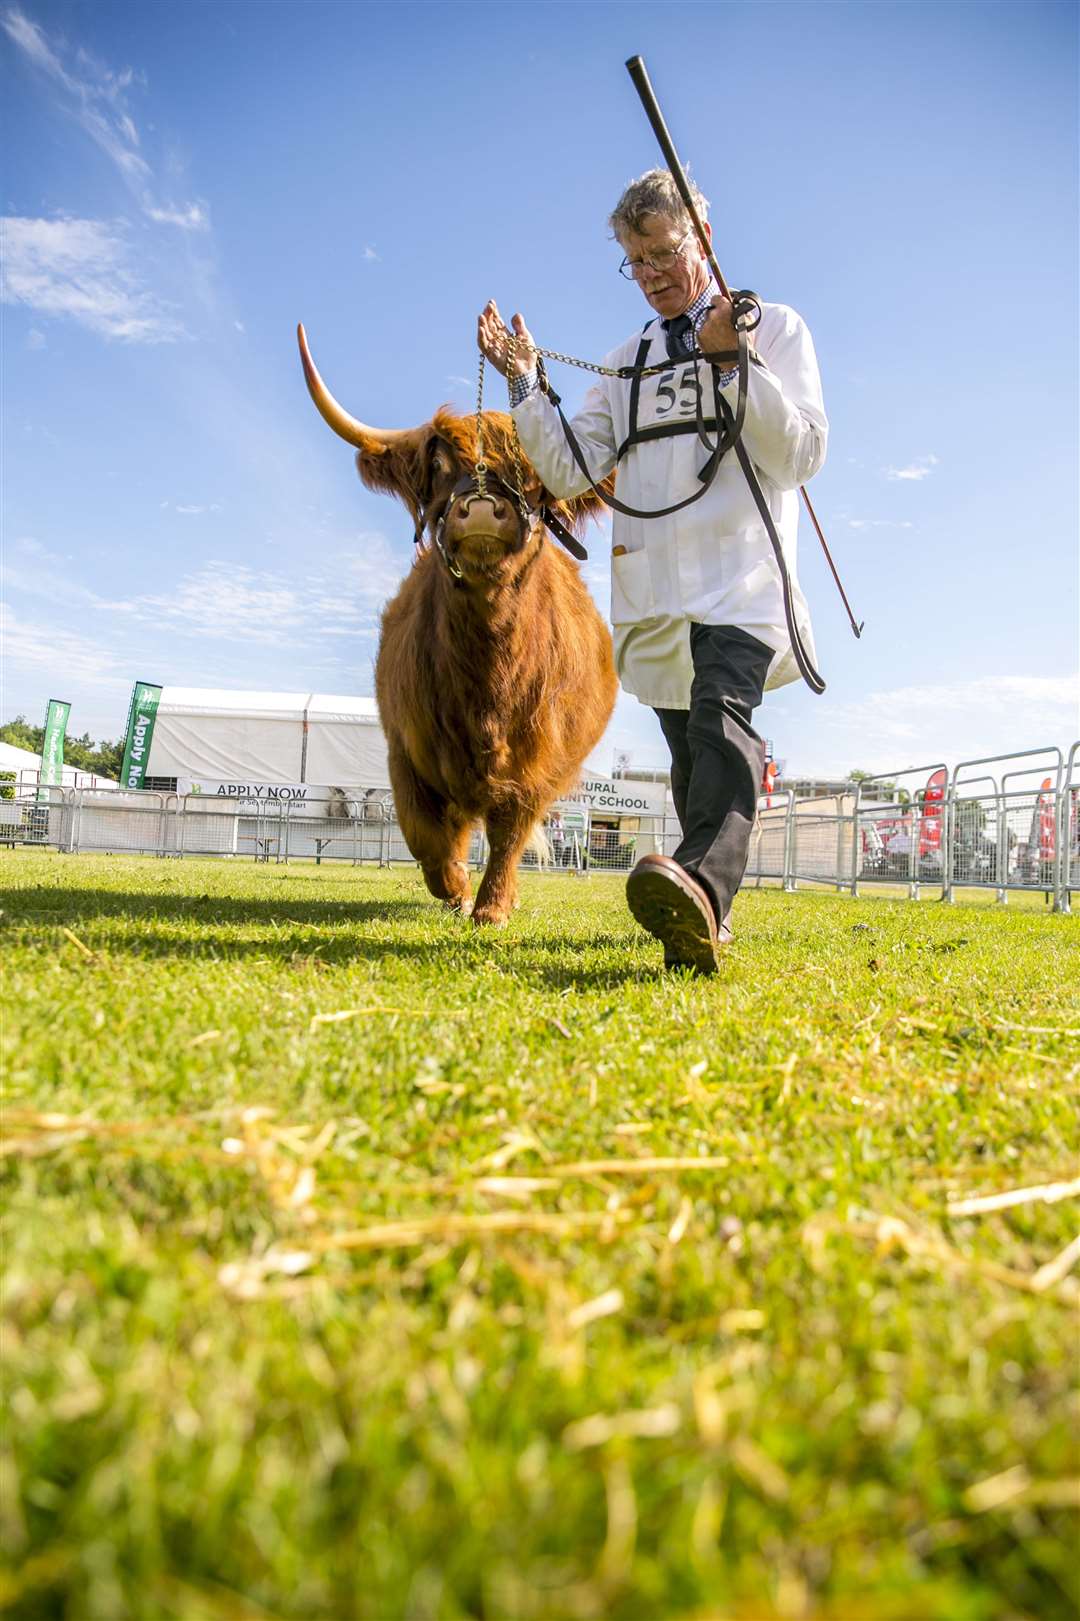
(890, 1233)
(1014, 1488)
(343, 1014)
(395, 1234)
(647, 1423)
(1047, 1193)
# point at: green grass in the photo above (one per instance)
(772, 1384)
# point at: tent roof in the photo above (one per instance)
(25, 760)
(266, 705)
(16, 759)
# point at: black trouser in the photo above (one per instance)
(717, 759)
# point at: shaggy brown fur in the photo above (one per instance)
(492, 689)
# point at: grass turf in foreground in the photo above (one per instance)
(541, 1284)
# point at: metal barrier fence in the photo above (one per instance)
(1008, 824)
(42, 817)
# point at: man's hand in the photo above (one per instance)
(717, 334)
(492, 335)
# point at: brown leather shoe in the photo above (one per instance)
(671, 904)
(724, 936)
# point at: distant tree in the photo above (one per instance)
(111, 756)
(885, 791)
(81, 752)
(21, 735)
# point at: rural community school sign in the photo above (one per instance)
(618, 797)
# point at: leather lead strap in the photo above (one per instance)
(814, 680)
(563, 535)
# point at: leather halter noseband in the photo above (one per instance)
(497, 487)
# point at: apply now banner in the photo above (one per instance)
(140, 733)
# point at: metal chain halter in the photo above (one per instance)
(481, 464)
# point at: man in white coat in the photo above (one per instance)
(697, 605)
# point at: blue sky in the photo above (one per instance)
(184, 182)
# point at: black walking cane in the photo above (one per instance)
(637, 71)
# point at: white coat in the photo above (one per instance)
(712, 563)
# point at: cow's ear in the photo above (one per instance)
(580, 508)
(399, 468)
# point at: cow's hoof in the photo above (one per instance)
(489, 916)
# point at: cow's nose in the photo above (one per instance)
(497, 506)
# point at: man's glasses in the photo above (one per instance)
(661, 260)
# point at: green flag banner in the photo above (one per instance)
(140, 732)
(51, 774)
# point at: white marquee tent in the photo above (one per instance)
(26, 765)
(208, 737)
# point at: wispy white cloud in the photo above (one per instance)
(921, 468)
(82, 269)
(226, 600)
(879, 523)
(192, 218)
(94, 95)
(956, 720)
(370, 255)
(230, 603)
(49, 649)
(43, 574)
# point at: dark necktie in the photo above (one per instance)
(678, 329)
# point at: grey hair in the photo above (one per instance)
(653, 193)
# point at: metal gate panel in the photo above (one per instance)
(38, 816)
(819, 846)
(120, 821)
(1003, 824)
(1069, 831)
(901, 829)
(769, 841)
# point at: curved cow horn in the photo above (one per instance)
(353, 432)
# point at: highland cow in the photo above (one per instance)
(494, 676)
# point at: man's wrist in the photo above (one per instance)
(522, 385)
